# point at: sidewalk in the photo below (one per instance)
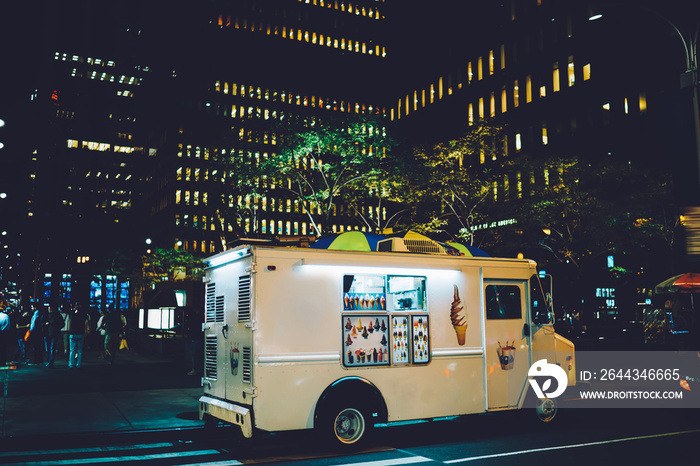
(140, 391)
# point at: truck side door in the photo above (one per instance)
(507, 347)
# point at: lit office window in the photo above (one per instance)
(492, 63)
(586, 71)
(504, 100)
(543, 91)
(516, 94)
(642, 102)
(503, 56)
(528, 89)
(479, 69)
(470, 73)
(570, 71)
(519, 185)
(471, 114)
(492, 105)
(481, 107)
(544, 134)
(555, 77)
(518, 142)
(432, 93)
(627, 110)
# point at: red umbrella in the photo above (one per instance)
(684, 283)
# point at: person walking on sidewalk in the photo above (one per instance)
(51, 327)
(21, 322)
(36, 337)
(79, 328)
(65, 337)
(5, 328)
(114, 328)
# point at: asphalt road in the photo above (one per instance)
(586, 437)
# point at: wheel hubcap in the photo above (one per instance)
(546, 409)
(349, 425)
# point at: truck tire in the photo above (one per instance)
(546, 409)
(347, 425)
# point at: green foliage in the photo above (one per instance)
(171, 264)
(447, 187)
(336, 161)
(590, 209)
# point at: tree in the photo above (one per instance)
(327, 163)
(590, 209)
(448, 186)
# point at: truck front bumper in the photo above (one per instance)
(228, 412)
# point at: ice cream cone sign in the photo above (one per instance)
(506, 355)
(458, 316)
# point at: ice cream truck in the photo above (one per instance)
(338, 341)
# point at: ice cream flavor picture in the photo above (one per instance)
(506, 355)
(458, 316)
(365, 343)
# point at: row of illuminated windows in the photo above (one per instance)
(348, 7)
(77, 58)
(436, 91)
(106, 147)
(301, 35)
(273, 95)
(266, 226)
(63, 56)
(105, 175)
(520, 184)
(94, 75)
(487, 107)
(114, 204)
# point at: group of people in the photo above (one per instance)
(48, 331)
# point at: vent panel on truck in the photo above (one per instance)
(210, 343)
(214, 305)
(247, 365)
(243, 298)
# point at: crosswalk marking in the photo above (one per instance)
(392, 462)
(87, 450)
(115, 459)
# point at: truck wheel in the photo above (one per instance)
(546, 409)
(348, 426)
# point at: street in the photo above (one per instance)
(578, 437)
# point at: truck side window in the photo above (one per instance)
(503, 302)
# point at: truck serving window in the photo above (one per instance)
(503, 302)
(384, 320)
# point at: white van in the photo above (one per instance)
(299, 338)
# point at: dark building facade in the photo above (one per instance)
(127, 111)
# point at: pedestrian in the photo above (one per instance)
(114, 328)
(51, 328)
(103, 334)
(36, 337)
(5, 328)
(22, 319)
(193, 320)
(65, 337)
(79, 328)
